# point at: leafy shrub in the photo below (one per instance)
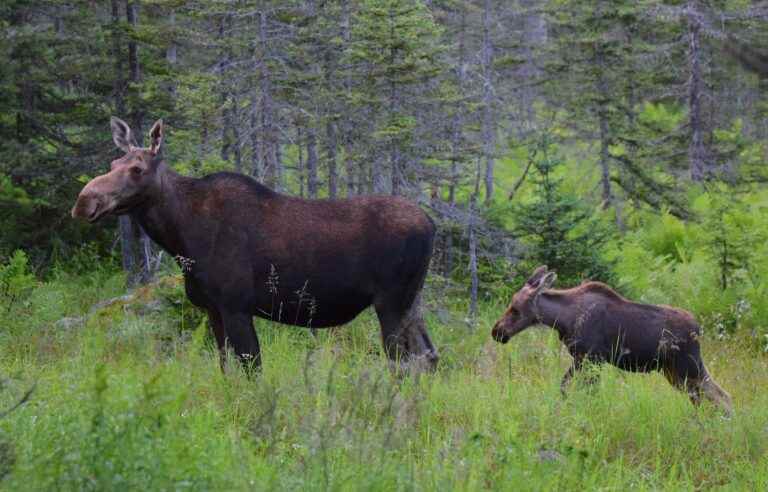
(16, 282)
(666, 237)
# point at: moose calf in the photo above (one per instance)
(599, 325)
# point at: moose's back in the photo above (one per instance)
(303, 262)
(632, 335)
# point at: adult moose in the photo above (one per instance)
(248, 251)
(597, 324)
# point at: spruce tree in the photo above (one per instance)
(395, 61)
(557, 230)
(728, 232)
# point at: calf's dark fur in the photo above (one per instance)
(597, 324)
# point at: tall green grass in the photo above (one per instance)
(126, 401)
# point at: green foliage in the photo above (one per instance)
(667, 236)
(714, 267)
(557, 229)
(16, 282)
(397, 42)
(16, 214)
(119, 407)
(728, 227)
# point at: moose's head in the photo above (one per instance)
(522, 311)
(132, 180)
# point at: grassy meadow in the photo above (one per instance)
(129, 396)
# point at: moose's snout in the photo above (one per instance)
(86, 207)
(499, 333)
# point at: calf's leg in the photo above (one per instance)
(577, 366)
(568, 376)
(686, 372)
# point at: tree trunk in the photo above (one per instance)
(456, 138)
(489, 124)
(602, 116)
(118, 56)
(346, 35)
(472, 233)
(226, 104)
(394, 151)
(696, 149)
(312, 163)
(272, 165)
(534, 36)
(330, 135)
(257, 168)
(236, 143)
(171, 52)
(137, 115)
(136, 245)
(300, 162)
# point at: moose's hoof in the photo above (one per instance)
(416, 364)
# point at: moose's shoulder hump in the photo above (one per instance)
(234, 180)
(601, 288)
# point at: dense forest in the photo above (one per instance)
(461, 105)
(624, 141)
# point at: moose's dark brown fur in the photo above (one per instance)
(248, 251)
(597, 324)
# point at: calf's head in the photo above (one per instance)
(522, 311)
(132, 180)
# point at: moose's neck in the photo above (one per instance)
(556, 311)
(163, 216)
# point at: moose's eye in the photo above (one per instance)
(136, 171)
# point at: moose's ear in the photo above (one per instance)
(536, 276)
(547, 281)
(156, 137)
(122, 134)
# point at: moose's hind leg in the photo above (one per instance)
(686, 372)
(405, 338)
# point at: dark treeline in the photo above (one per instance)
(430, 99)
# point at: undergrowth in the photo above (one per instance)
(131, 398)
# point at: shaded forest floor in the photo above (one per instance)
(127, 399)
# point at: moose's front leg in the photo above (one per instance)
(217, 328)
(575, 366)
(242, 338)
(405, 337)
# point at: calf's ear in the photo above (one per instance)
(546, 282)
(121, 134)
(536, 276)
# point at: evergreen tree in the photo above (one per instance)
(395, 63)
(729, 232)
(557, 229)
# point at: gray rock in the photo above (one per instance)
(549, 456)
(70, 322)
(103, 304)
(151, 307)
